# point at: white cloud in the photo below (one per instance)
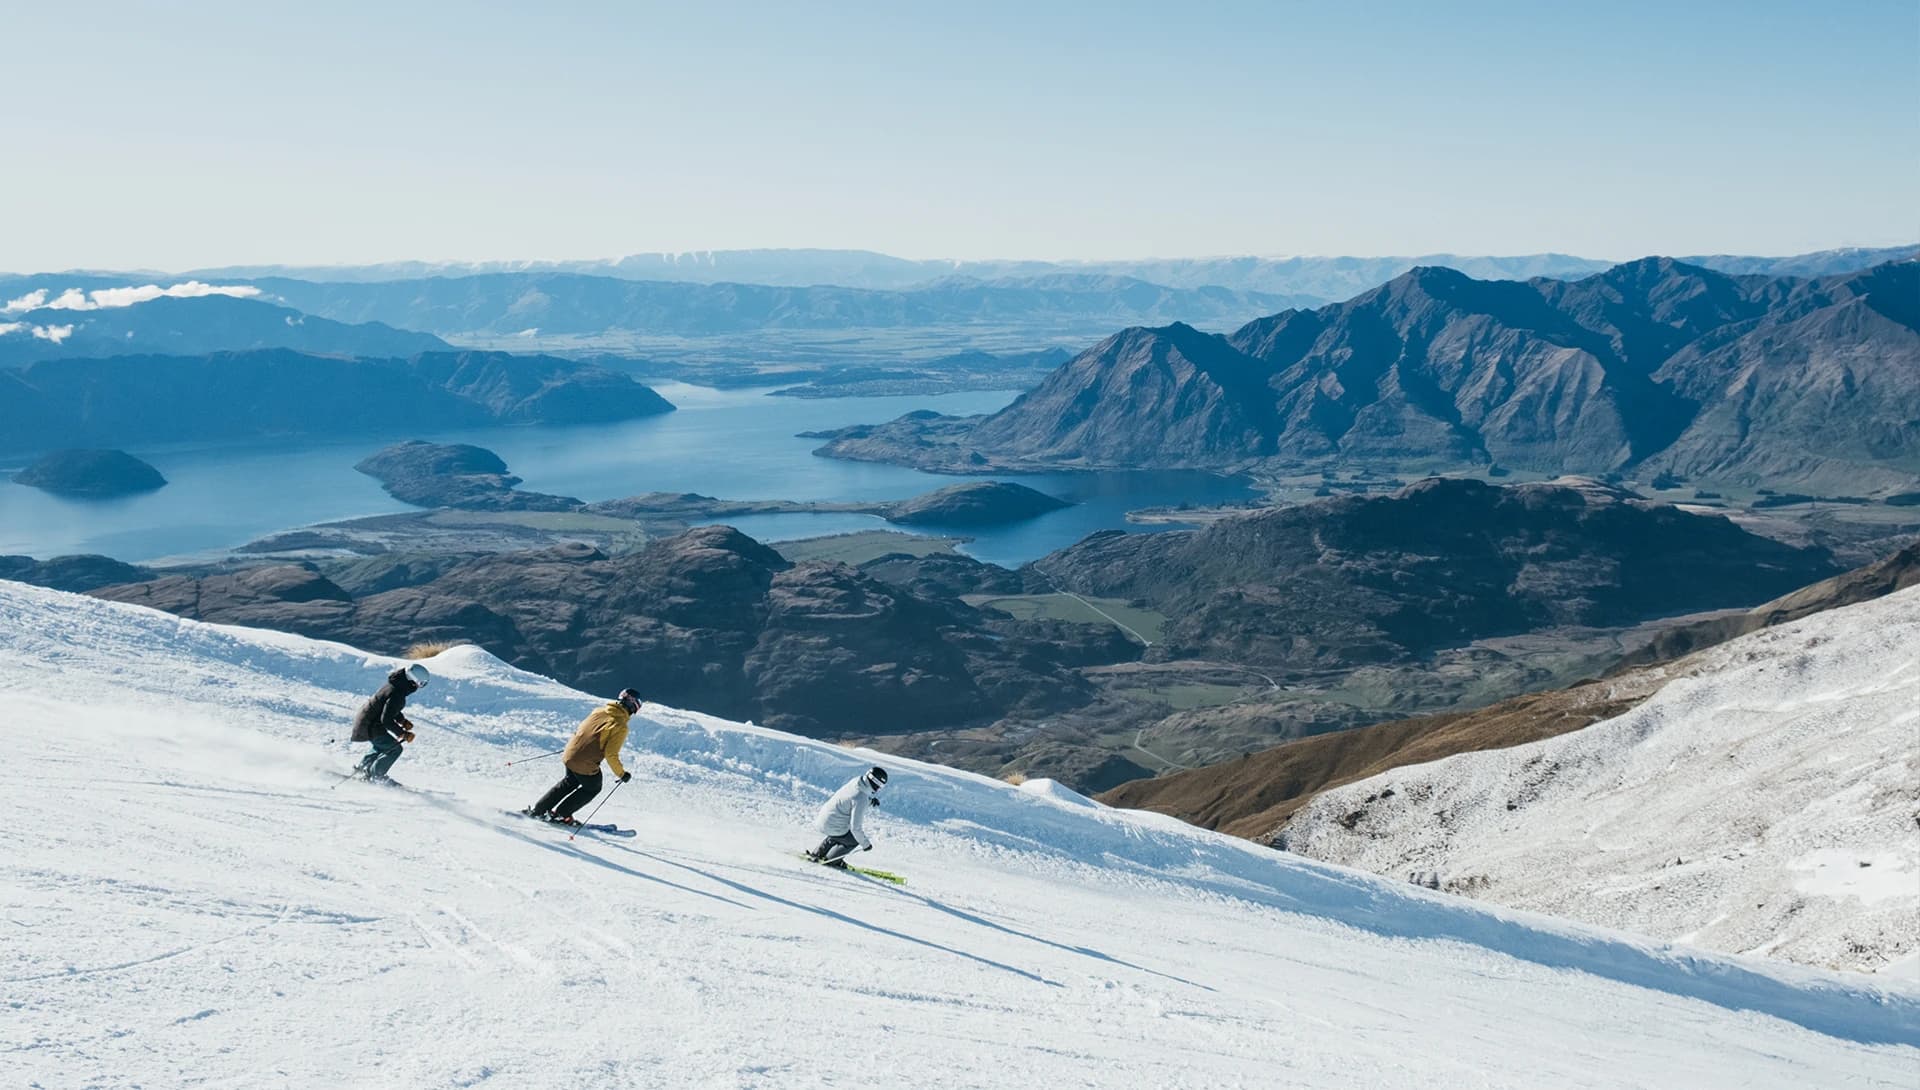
(103, 298)
(54, 333)
(32, 300)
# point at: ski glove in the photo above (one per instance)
(625, 776)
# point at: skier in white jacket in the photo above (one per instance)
(839, 819)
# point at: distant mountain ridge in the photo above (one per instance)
(195, 326)
(1329, 277)
(143, 399)
(1653, 364)
(555, 303)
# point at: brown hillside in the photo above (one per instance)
(1254, 796)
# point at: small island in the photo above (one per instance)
(977, 503)
(455, 475)
(91, 474)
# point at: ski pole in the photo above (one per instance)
(536, 756)
(596, 809)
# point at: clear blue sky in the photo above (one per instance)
(175, 135)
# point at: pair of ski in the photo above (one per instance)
(884, 876)
(602, 829)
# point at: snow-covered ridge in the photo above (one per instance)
(1763, 804)
(208, 906)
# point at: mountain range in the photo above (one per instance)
(569, 304)
(1655, 365)
(1327, 278)
(194, 326)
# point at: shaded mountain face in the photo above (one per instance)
(1655, 363)
(1211, 399)
(195, 326)
(151, 399)
(1254, 796)
(709, 619)
(1440, 563)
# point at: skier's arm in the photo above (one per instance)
(612, 737)
(854, 821)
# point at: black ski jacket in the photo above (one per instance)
(381, 715)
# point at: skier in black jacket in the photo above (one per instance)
(381, 721)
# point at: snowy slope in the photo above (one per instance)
(186, 899)
(1767, 804)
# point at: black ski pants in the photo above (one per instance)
(380, 758)
(572, 792)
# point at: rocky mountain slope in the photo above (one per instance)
(1371, 579)
(709, 619)
(1653, 365)
(1762, 802)
(1255, 796)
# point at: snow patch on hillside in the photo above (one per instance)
(1765, 805)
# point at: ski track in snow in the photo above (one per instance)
(210, 907)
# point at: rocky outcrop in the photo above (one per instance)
(1443, 562)
(1654, 365)
(72, 573)
(454, 475)
(945, 575)
(91, 474)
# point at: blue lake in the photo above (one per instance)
(737, 444)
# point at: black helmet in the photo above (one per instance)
(631, 698)
(875, 778)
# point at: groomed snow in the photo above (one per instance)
(188, 899)
(1764, 804)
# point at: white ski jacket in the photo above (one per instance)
(842, 813)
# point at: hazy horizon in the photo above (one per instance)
(151, 270)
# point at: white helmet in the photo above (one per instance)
(418, 675)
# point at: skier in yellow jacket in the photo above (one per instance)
(600, 736)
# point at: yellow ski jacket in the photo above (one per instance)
(600, 737)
